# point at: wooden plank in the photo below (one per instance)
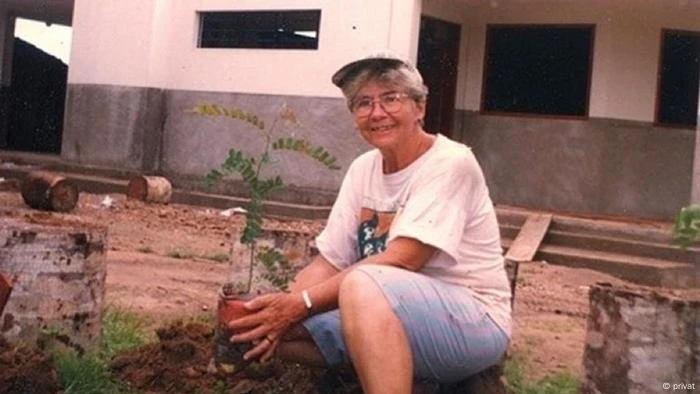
(529, 238)
(5, 290)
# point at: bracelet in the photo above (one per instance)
(307, 300)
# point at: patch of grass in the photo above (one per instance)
(84, 374)
(145, 249)
(89, 373)
(560, 383)
(121, 330)
(179, 253)
(218, 257)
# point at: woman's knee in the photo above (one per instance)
(352, 288)
(358, 287)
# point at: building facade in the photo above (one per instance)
(578, 106)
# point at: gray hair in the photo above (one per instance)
(403, 76)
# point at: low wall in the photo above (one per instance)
(596, 166)
(152, 130)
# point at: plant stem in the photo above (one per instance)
(250, 267)
(260, 164)
(235, 239)
(268, 137)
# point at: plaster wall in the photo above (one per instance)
(159, 49)
(113, 126)
(194, 144)
(130, 88)
(128, 100)
(626, 45)
(597, 166)
(614, 162)
(111, 42)
(154, 131)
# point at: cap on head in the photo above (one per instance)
(378, 61)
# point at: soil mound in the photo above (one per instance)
(180, 362)
(25, 370)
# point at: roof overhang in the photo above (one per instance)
(48, 11)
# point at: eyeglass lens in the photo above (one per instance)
(389, 102)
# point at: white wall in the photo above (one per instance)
(154, 43)
(625, 58)
(111, 42)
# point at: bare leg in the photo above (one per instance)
(374, 336)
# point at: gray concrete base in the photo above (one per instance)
(155, 131)
(590, 166)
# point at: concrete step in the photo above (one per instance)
(641, 270)
(639, 252)
(626, 246)
(511, 218)
(639, 238)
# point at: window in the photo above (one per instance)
(677, 101)
(538, 69)
(260, 29)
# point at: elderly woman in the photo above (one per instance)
(410, 281)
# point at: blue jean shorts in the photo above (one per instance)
(450, 334)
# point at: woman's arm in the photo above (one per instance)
(322, 281)
(318, 270)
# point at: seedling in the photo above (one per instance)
(249, 168)
(228, 357)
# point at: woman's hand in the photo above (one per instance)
(272, 316)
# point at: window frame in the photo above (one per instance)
(242, 42)
(485, 71)
(659, 76)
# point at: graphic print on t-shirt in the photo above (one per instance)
(373, 231)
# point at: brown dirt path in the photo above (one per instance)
(161, 264)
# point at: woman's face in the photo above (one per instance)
(385, 115)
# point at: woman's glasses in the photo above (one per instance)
(390, 103)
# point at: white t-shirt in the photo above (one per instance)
(442, 200)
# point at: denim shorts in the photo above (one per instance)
(450, 335)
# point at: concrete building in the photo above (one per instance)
(570, 105)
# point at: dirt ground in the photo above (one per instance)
(164, 263)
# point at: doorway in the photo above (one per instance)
(36, 94)
(438, 60)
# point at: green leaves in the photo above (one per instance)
(249, 169)
(233, 113)
(279, 271)
(686, 228)
(304, 147)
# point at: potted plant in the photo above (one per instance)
(276, 268)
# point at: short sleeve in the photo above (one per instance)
(338, 240)
(436, 209)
